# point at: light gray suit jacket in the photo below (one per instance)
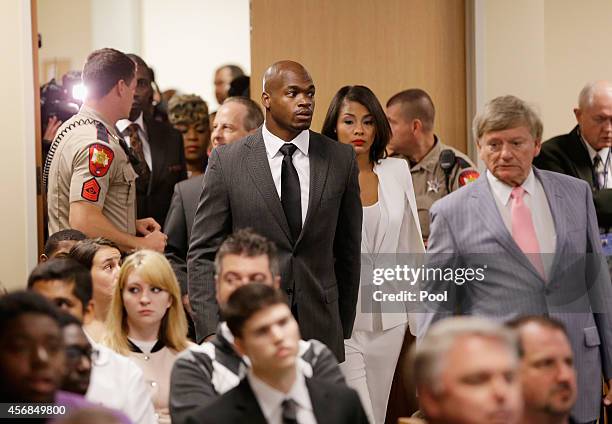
(468, 224)
(320, 271)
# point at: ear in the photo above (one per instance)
(416, 125)
(428, 403)
(577, 114)
(43, 258)
(538, 146)
(265, 100)
(276, 282)
(239, 346)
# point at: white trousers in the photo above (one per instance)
(371, 357)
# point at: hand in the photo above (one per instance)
(52, 125)
(154, 241)
(607, 400)
(146, 226)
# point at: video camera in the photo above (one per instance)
(59, 100)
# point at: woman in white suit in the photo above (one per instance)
(390, 226)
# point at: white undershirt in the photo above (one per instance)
(122, 126)
(300, 161)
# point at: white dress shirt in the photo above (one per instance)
(535, 199)
(270, 400)
(122, 126)
(300, 161)
(603, 154)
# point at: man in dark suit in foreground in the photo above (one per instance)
(157, 146)
(298, 189)
(274, 390)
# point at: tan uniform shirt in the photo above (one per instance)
(429, 180)
(89, 165)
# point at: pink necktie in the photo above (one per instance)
(523, 231)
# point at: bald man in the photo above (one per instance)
(298, 189)
(585, 152)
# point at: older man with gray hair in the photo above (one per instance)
(466, 371)
(533, 235)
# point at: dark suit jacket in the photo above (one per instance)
(168, 169)
(331, 403)
(320, 272)
(567, 155)
(178, 225)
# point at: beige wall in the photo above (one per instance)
(17, 172)
(544, 51)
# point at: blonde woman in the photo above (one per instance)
(146, 321)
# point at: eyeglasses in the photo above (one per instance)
(75, 353)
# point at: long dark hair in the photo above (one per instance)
(365, 97)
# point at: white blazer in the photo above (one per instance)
(401, 233)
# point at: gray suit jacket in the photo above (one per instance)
(320, 272)
(178, 225)
(468, 225)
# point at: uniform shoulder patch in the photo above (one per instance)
(100, 159)
(468, 176)
(91, 190)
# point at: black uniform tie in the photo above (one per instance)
(289, 412)
(291, 197)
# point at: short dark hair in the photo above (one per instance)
(63, 235)
(68, 270)
(142, 64)
(365, 97)
(254, 117)
(104, 69)
(416, 104)
(235, 70)
(85, 250)
(247, 242)
(543, 321)
(15, 304)
(246, 301)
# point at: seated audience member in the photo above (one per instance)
(64, 282)
(224, 76)
(59, 244)
(547, 370)
(115, 381)
(275, 389)
(189, 115)
(466, 372)
(146, 322)
(103, 258)
(204, 372)
(236, 118)
(32, 353)
(79, 355)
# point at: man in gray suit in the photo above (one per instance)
(533, 235)
(298, 189)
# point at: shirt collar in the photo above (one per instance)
(503, 190)
(271, 399)
(274, 143)
(226, 333)
(122, 124)
(93, 114)
(431, 158)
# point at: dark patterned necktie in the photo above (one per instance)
(289, 412)
(598, 167)
(291, 197)
(141, 168)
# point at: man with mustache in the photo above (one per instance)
(547, 370)
(298, 189)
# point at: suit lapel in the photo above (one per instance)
(247, 403)
(487, 209)
(319, 398)
(580, 157)
(555, 198)
(388, 195)
(259, 169)
(319, 165)
(158, 150)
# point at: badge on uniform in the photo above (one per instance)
(91, 190)
(468, 176)
(100, 159)
(433, 185)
